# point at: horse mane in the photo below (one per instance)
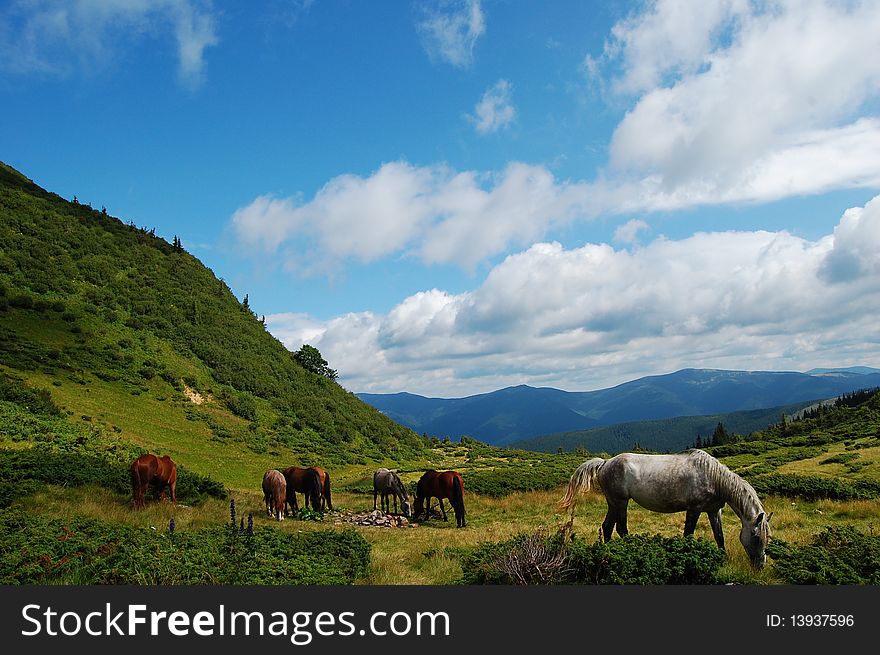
(736, 490)
(398, 486)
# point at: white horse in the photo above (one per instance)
(388, 483)
(691, 481)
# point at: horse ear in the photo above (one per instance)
(770, 516)
(759, 519)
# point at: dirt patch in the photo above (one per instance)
(194, 396)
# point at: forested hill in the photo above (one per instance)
(86, 297)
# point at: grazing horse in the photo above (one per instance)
(324, 476)
(275, 493)
(440, 485)
(148, 470)
(388, 483)
(691, 481)
(306, 481)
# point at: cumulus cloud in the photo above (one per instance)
(593, 316)
(58, 37)
(495, 109)
(729, 95)
(732, 101)
(431, 213)
(450, 29)
(629, 231)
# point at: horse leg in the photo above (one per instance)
(375, 496)
(442, 509)
(690, 521)
(622, 530)
(395, 503)
(608, 524)
(615, 517)
(715, 522)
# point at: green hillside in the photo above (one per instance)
(832, 451)
(136, 338)
(660, 435)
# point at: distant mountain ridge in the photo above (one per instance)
(522, 412)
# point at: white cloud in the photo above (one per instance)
(738, 100)
(450, 30)
(58, 37)
(431, 213)
(594, 316)
(495, 109)
(733, 102)
(629, 231)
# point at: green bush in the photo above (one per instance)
(38, 401)
(24, 471)
(633, 559)
(814, 487)
(836, 556)
(41, 550)
(647, 560)
(502, 482)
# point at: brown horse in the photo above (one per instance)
(150, 470)
(325, 487)
(440, 485)
(306, 481)
(275, 493)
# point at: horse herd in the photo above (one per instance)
(280, 489)
(692, 481)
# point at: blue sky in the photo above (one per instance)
(450, 197)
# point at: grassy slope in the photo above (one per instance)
(119, 326)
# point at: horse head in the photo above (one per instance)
(754, 536)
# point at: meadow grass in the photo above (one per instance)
(428, 554)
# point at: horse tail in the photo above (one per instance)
(135, 483)
(581, 481)
(458, 499)
(327, 490)
(315, 489)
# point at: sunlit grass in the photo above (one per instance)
(426, 554)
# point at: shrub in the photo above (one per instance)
(24, 471)
(814, 487)
(243, 405)
(647, 560)
(38, 401)
(557, 559)
(42, 550)
(838, 555)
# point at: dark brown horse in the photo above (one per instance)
(275, 493)
(440, 485)
(148, 470)
(307, 482)
(325, 487)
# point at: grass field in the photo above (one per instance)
(427, 554)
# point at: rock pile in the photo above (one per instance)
(374, 518)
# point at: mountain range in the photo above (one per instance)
(522, 412)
